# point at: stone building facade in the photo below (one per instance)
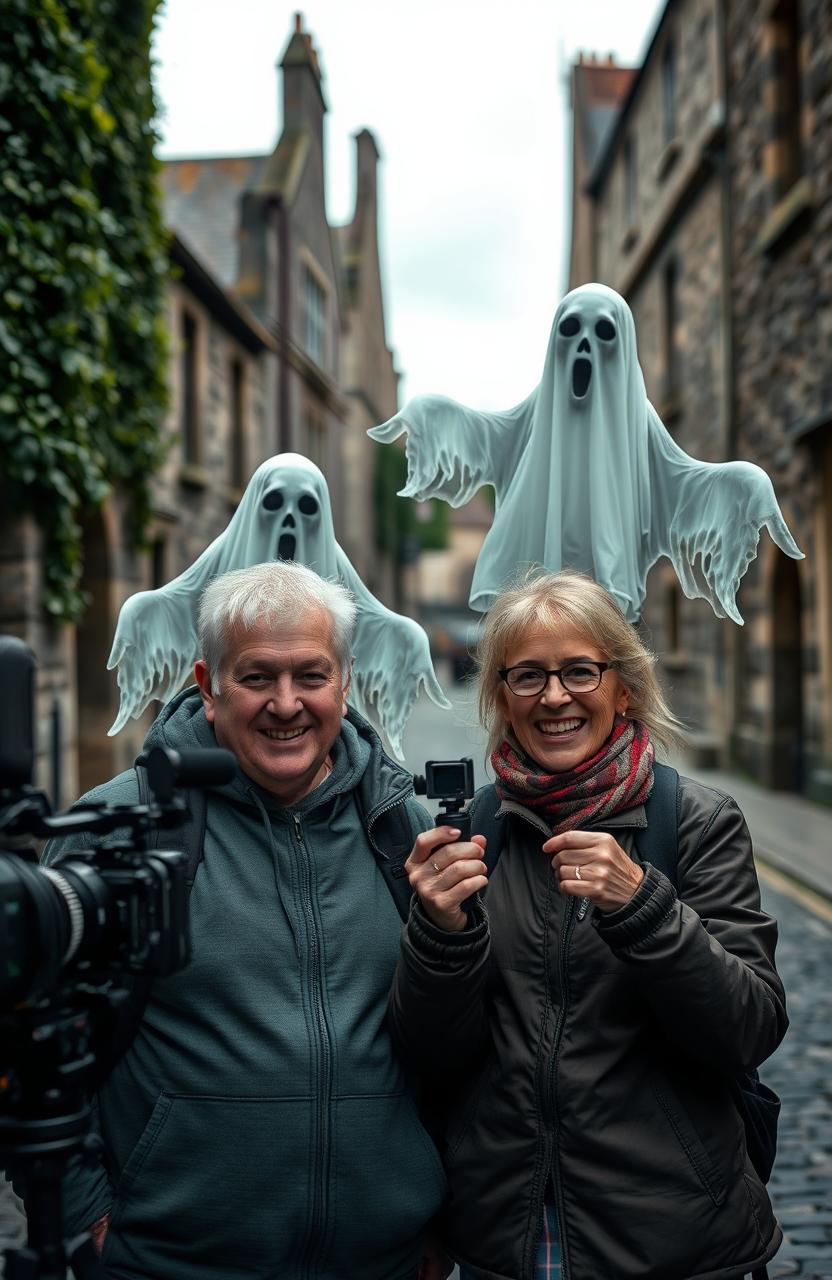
(277, 343)
(721, 246)
(779, 61)
(259, 222)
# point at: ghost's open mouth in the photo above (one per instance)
(286, 546)
(581, 374)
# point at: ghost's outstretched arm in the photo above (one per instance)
(452, 451)
(392, 661)
(154, 648)
(707, 520)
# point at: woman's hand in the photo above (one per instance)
(591, 864)
(444, 874)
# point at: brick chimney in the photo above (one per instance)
(303, 98)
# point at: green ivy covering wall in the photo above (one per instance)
(83, 270)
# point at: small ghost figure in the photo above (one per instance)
(284, 514)
(587, 477)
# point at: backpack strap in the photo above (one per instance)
(658, 842)
(394, 831)
(190, 836)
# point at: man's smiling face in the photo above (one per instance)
(279, 702)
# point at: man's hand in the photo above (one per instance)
(591, 864)
(98, 1233)
(444, 874)
(435, 1264)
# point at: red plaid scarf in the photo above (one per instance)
(618, 778)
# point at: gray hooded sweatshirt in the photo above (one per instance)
(260, 1124)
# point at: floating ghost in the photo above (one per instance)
(284, 514)
(587, 477)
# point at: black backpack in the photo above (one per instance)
(658, 844)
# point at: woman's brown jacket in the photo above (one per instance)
(594, 1053)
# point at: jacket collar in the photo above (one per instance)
(632, 819)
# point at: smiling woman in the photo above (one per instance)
(584, 1033)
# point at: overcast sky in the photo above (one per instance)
(469, 105)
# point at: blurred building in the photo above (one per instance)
(278, 343)
(259, 223)
(708, 205)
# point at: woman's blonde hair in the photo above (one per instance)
(572, 599)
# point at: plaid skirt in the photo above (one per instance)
(547, 1263)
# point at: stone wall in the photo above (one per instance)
(674, 248)
(782, 291)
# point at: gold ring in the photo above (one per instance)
(577, 873)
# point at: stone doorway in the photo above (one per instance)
(787, 765)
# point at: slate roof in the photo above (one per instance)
(202, 204)
(202, 196)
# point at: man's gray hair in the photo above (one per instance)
(279, 591)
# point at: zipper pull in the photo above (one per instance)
(583, 908)
(298, 829)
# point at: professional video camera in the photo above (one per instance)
(74, 936)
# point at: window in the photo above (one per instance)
(669, 92)
(158, 562)
(314, 317)
(671, 320)
(189, 415)
(783, 42)
(315, 442)
(629, 183)
(237, 425)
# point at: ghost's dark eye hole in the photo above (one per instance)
(605, 329)
(308, 505)
(569, 327)
(273, 500)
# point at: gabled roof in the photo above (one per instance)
(282, 170)
(202, 203)
(202, 196)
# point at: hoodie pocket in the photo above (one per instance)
(206, 1175)
(388, 1183)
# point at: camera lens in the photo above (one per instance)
(48, 917)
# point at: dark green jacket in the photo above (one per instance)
(260, 1124)
(591, 1056)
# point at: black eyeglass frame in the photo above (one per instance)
(505, 672)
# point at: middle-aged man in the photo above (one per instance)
(260, 1124)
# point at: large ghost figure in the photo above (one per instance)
(284, 514)
(587, 477)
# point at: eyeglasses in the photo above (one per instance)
(576, 677)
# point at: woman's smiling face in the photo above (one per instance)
(559, 729)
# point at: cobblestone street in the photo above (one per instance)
(801, 1072)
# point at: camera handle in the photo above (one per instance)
(452, 814)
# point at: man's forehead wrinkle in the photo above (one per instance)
(302, 656)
